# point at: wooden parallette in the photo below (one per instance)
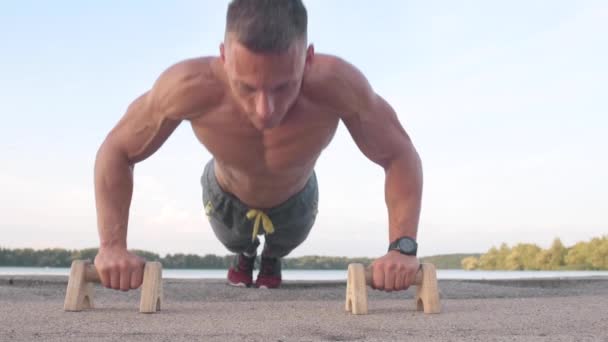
(79, 293)
(427, 292)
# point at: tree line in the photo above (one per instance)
(57, 257)
(584, 255)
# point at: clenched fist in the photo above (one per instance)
(394, 272)
(119, 269)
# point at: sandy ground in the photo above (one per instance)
(208, 310)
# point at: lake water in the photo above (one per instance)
(327, 274)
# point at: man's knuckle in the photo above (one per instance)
(123, 265)
(391, 267)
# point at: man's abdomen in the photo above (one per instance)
(260, 188)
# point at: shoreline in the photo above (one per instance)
(327, 275)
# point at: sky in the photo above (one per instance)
(504, 100)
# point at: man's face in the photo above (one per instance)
(265, 85)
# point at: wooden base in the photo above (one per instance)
(356, 290)
(79, 293)
(151, 289)
(427, 292)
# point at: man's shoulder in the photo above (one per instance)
(330, 68)
(188, 87)
(335, 82)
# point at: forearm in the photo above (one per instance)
(403, 194)
(113, 192)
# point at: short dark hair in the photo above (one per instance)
(267, 26)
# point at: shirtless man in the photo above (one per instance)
(265, 109)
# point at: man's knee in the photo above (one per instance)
(239, 247)
(231, 239)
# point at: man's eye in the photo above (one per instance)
(246, 89)
(282, 87)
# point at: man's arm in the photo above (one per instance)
(146, 125)
(378, 133)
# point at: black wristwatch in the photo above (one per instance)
(405, 245)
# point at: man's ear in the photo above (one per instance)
(310, 54)
(222, 53)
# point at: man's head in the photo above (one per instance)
(265, 53)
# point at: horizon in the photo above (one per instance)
(228, 254)
(505, 102)
(498, 246)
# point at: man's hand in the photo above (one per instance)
(394, 272)
(119, 269)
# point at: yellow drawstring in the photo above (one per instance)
(208, 208)
(260, 216)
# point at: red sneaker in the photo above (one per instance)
(241, 272)
(270, 273)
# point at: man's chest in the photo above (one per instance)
(297, 142)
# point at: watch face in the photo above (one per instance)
(407, 245)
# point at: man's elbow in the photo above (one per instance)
(110, 152)
(406, 158)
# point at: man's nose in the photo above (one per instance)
(264, 106)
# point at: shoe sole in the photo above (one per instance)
(238, 284)
(266, 287)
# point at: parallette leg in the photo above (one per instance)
(79, 293)
(151, 290)
(427, 291)
(356, 290)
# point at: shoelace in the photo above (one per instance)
(259, 215)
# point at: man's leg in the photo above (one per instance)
(227, 219)
(281, 243)
(293, 221)
(240, 272)
(276, 247)
(231, 239)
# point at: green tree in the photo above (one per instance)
(489, 260)
(543, 260)
(514, 261)
(523, 257)
(470, 263)
(552, 258)
(503, 253)
(148, 256)
(495, 258)
(558, 253)
(577, 256)
(598, 253)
